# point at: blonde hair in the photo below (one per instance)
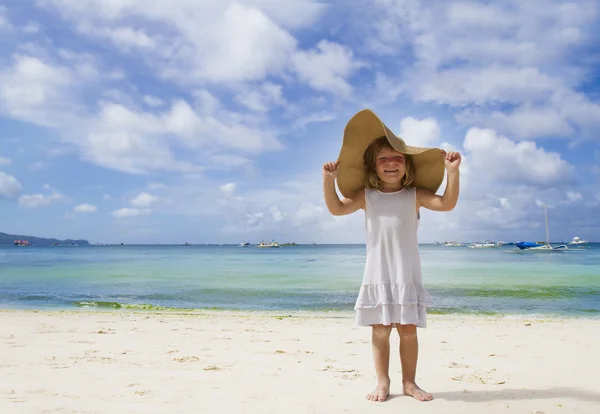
(372, 180)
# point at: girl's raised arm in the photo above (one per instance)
(336, 206)
(446, 202)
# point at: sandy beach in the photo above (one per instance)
(259, 362)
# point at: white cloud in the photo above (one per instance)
(229, 162)
(32, 28)
(130, 212)
(9, 186)
(40, 200)
(228, 188)
(206, 41)
(523, 122)
(5, 161)
(144, 200)
(574, 197)
(4, 22)
(85, 208)
(327, 67)
(119, 135)
(216, 42)
(246, 46)
(498, 158)
(32, 90)
(263, 98)
(420, 133)
(509, 61)
(318, 117)
(156, 186)
(458, 86)
(122, 37)
(153, 100)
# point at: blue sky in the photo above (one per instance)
(208, 121)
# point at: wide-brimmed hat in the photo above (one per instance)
(362, 129)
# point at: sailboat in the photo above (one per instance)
(545, 247)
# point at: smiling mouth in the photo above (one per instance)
(390, 171)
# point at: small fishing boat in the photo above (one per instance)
(22, 243)
(268, 245)
(542, 246)
(452, 243)
(484, 245)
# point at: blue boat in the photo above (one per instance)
(543, 247)
(526, 245)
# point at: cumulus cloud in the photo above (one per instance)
(262, 98)
(317, 117)
(85, 208)
(509, 61)
(327, 67)
(118, 136)
(9, 186)
(4, 22)
(130, 212)
(420, 133)
(153, 101)
(223, 41)
(40, 200)
(144, 200)
(228, 188)
(34, 90)
(498, 158)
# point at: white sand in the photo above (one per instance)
(121, 362)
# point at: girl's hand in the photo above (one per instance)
(452, 160)
(330, 170)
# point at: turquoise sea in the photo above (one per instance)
(311, 277)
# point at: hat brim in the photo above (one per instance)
(361, 130)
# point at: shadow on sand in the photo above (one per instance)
(512, 394)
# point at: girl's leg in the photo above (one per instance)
(409, 353)
(381, 353)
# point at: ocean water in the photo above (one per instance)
(320, 277)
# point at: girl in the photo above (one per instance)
(391, 182)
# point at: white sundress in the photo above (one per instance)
(392, 290)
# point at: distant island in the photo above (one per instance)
(38, 241)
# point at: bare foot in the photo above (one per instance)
(381, 392)
(412, 390)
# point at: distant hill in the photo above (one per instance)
(38, 241)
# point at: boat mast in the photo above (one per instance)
(547, 233)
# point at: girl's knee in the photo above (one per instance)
(407, 330)
(381, 330)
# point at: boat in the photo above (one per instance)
(484, 245)
(245, 244)
(22, 243)
(452, 243)
(542, 246)
(576, 240)
(268, 245)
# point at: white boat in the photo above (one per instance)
(267, 245)
(452, 243)
(484, 245)
(547, 247)
(576, 240)
(245, 244)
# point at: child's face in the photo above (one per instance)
(390, 165)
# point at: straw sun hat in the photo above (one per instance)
(364, 128)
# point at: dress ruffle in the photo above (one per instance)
(372, 296)
(393, 314)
